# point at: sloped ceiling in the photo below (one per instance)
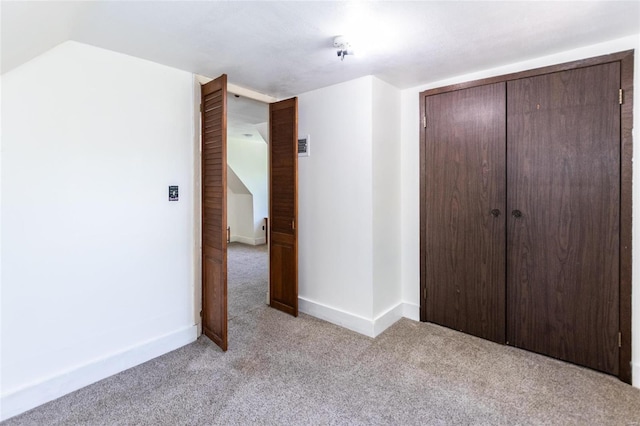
(235, 183)
(285, 48)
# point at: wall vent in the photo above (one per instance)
(303, 146)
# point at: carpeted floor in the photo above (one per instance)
(247, 279)
(281, 370)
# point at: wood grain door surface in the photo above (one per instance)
(464, 210)
(563, 144)
(283, 205)
(214, 211)
(543, 155)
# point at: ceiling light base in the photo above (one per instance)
(344, 47)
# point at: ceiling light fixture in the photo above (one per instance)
(344, 47)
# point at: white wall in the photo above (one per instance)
(239, 209)
(335, 241)
(410, 189)
(240, 217)
(349, 205)
(387, 292)
(97, 264)
(248, 159)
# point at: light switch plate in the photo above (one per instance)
(173, 193)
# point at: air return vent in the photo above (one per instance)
(303, 146)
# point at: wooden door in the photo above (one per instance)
(463, 230)
(563, 136)
(214, 211)
(283, 206)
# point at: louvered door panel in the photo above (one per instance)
(283, 258)
(214, 211)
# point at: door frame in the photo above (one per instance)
(626, 59)
(232, 89)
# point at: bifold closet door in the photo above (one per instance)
(214, 210)
(283, 206)
(563, 144)
(464, 217)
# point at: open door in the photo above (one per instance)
(214, 210)
(283, 206)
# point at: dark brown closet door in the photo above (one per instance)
(564, 207)
(464, 228)
(283, 217)
(214, 211)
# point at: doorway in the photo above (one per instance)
(247, 204)
(212, 232)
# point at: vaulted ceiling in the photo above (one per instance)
(285, 48)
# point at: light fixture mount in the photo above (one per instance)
(344, 47)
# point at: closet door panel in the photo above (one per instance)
(464, 262)
(563, 144)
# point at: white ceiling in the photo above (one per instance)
(246, 110)
(285, 48)
(243, 114)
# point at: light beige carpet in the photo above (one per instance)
(281, 370)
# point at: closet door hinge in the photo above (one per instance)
(619, 339)
(425, 293)
(424, 121)
(620, 96)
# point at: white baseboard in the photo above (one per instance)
(36, 394)
(635, 374)
(247, 240)
(353, 322)
(411, 311)
(387, 319)
(336, 316)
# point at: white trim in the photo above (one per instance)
(635, 374)
(411, 311)
(249, 93)
(353, 322)
(239, 90)
(336, 316)
(247, 240)
(387, 319)
(35, 394)
(197, 203)
(202, 80)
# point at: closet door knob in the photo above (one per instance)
(495, 212)
(516, 213)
